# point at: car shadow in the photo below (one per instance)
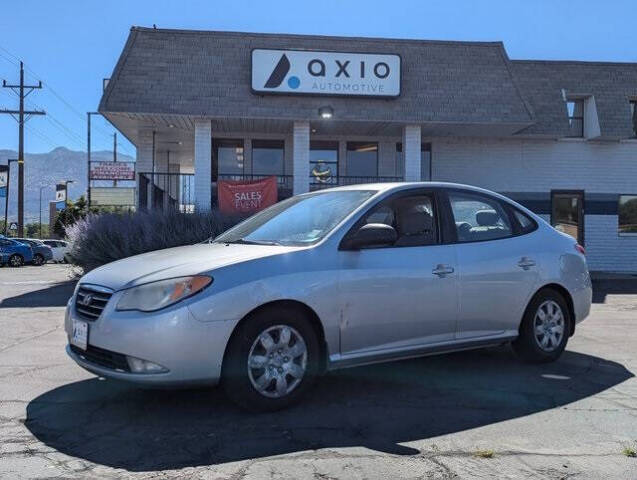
(378, 407)
(604, 287)
(53, 296)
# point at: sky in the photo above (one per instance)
(71, 45)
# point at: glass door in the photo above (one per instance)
(567, 213)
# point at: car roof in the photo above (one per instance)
(396, 186)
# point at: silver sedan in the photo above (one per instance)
(333, 279)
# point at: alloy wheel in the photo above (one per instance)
(277, 361)
(548, 325)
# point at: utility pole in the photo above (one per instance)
(19, 90)
(6, 200)
(41, 211)
(115, 153)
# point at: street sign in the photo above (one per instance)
(112, 171)
(13, 226)
(113, 196)
(4, 180)
(60, 192)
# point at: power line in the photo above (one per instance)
(66, 103)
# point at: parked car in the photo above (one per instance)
(41, 253)
(59, 248)
(14, 253)
(332, 279)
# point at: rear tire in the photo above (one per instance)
(38, 260)
(545, 328)
(16, 260)
(271, 360)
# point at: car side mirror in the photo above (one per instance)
(370, 235)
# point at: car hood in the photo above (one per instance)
(176, 262)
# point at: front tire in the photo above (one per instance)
(272, 359)
(38, 260)
(545, 328)
(16, 260)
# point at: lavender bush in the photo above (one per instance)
(102, 238)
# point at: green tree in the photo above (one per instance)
(33, 230)
(69, 215)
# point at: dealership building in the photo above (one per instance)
(557, 136)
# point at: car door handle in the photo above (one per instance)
(442, 270)
(526, 263)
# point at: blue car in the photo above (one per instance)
(14, 253)
(41, 253)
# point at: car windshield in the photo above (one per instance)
(297, 221)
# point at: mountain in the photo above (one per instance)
(45, 170)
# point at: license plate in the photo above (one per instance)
(80, 334)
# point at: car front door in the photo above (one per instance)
(399, 295)
(497, 270)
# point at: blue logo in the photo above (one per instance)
(294, 82)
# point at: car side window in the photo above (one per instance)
(527, 224)
(412, 217)
(478, 217)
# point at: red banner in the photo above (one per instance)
(246, 197)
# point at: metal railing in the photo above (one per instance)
(349, 180)
(166, 190)
(171, 190)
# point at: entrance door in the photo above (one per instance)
(567, 213)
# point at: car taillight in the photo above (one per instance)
(580, 249)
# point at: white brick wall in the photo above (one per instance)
(544, 165)
(203, 164)
(144, 160)
(301, 157)
(537, 165)
(605, 249)
(411, 152)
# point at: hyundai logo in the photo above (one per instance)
(86, 300)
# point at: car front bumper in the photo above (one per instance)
(191, 351)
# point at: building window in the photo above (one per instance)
(425, 161)
(267, 157)
(627, 213)
(323, 163)
(229, 156)
(567, 213)
(362, 159)
(633, 116)
(575, 109)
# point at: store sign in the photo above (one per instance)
(325, 73)
(112, 196)
(246, 197)
(112, 171)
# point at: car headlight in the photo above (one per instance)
(156, 295)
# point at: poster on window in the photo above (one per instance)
(244, 197)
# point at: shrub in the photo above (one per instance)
(97, 239)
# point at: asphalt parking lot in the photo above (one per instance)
(479, 414)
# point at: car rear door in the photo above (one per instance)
(497, 267)
(400, 295)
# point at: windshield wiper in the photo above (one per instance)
(243, 241)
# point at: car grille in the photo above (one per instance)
(103, 358)
(90, 301)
